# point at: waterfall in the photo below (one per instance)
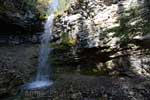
(42, 78)
(43, 67)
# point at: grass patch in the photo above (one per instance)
(94, 71)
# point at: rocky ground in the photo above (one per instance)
(17, 65)
(80, 87)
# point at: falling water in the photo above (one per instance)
(43, 73)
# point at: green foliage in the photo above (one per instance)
(31, 3)
(63, 6)
(131, 23)
(66, 42)
(146, 28)
(94, 71)
(2, 8)
(43, 4)
(65, 37)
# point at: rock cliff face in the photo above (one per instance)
(94, 37)
(19, 16)
(103, 33)
(25, 16)
(88, 20)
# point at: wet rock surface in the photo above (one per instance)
(10, 82)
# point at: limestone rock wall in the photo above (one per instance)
(104, 32)
(87, 20)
